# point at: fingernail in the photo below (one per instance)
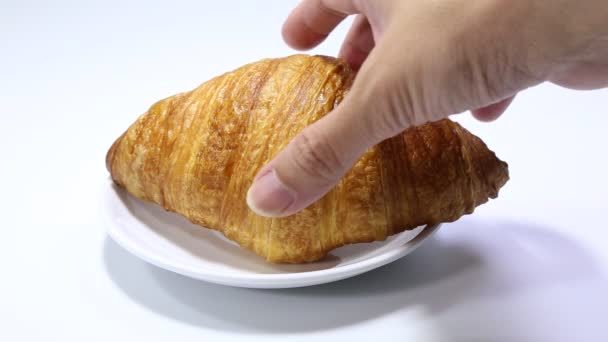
(268, 196)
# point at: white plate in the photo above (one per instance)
(171, 242)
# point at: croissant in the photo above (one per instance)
(196, 154)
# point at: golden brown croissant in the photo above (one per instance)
(196, 154)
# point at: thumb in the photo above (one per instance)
(311, 164)
(316, 159)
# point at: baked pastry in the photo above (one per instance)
(196, 154)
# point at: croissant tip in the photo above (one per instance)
(109, 157)
(111, 153)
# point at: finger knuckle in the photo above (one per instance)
(314, 156)
(394, 107)
(490, 74)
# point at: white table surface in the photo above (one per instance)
(529, 266)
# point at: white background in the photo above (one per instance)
(529, 266)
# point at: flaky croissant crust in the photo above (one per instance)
(196, 154)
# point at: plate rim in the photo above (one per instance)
(261, 280)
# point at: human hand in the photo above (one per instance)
(422, 61)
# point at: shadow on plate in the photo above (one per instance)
(465, 262)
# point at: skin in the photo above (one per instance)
(421, 61)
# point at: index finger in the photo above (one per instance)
(312, 21)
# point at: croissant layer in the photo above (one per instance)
(196, 154)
